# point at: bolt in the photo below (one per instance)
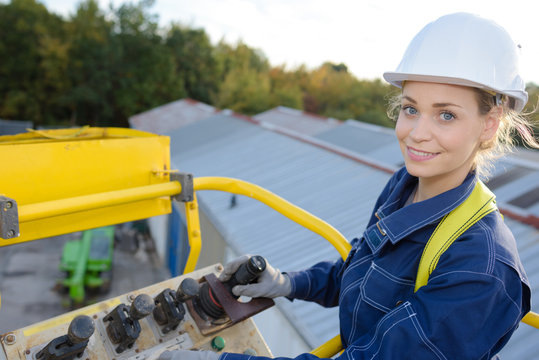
(27, 352)
(192, 206)
(95, 316)
(219, 268)
(10, 339)
(9, 204)
(195, 233)
(11, 233)
(132, 297)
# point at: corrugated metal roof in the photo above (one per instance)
(171, 116)
(337, 189)
(377, 142)
(296, 120)
(523, 345)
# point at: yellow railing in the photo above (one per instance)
(279, 204)
(531, 319)
(48, 209)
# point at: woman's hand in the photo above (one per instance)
(271, 283)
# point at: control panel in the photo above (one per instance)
(193, 311)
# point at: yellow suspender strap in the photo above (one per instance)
(480, 203)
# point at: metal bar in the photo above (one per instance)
(193, 231)
(53, 208)
(279, 204)
(531, 319)
(329, 348)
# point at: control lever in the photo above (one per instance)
(247, 273)
(169, 310)
(72, 345)
(124, 327)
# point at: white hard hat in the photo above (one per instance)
(463, 49)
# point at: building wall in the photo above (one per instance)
(159, 229)
(213, 244)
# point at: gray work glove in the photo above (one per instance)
(188, 355)
(270, 284)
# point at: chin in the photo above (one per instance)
(420, 171)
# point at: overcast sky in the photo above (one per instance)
(369, 36)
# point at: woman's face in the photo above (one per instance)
(439, 131)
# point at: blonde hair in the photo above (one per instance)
(511, 124)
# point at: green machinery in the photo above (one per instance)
(87, 263)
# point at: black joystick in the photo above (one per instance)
(124, 327)
(72, 345)
(247, 273)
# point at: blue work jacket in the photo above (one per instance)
(472, 303)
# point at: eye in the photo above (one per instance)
(447, 116)
(409, 110)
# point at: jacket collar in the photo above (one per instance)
(396, 222)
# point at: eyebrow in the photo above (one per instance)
(436, 105)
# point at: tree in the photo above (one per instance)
(240, 56)
(143, 69)
(285, 89)
(245, 85)
(34, 56)
(194, 61)
(245, 91)
(90, 67)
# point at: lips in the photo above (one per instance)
(418, 155)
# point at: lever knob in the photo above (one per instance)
(188, 288)
(141, 307)
(80, 329)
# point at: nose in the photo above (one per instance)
(421, 129)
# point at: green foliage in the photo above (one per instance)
(99, 67)
(34, 54)
(194, 61)
(245, 91)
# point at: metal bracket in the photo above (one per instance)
(9, 218)
(186, 181)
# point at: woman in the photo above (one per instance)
(461, 94)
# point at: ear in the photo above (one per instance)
(491, 124)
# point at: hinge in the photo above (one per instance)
(9, 218)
